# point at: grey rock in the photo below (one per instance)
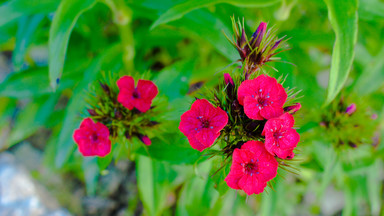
(20, 195)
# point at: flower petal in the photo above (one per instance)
(189, 123)
(206, 136)
(142, 105)
(147, 90)
(251, 109)
(127, 83)
(125, 98)
(269, 112)
(195, 143)
(246, 88)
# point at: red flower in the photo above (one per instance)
(140, 97)
(252, 167)
(280, 138)
(263, 97)
(202, 124)
(92, 138)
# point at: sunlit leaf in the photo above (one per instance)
(371, 9)
(343, 18)
(16, 8)
(178, 11)
(153, 183)
(63, 22)
(372, 77)
(26, 30)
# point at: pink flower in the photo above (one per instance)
(262, 98)
(252, 167)
(280, 138)
(92, 138)
(202, 124)
(140, 97)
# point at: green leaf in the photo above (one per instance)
(371, 9)
(25, 32)
(91, 174)
(343, 18)
(27, 84)
(34, 82)
(14, 9)
(372, 77)
(197, 192)
(77, 103)
(153, 182)
(103, 162)
(177, 75)
(375, 186)
(63, 22)
(209, 27)
(31, 118)
(175, 149)
(178, 11)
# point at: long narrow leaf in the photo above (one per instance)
(343, 18)
(65, 19)
(178, 11)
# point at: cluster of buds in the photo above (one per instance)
(259, 49)
(250, 118)
(343, 117)
(125, 111)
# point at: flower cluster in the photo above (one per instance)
(250, 117)
(114, 112)
(342, 117)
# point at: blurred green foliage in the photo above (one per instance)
(55, 51)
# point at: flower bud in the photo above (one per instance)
(126, 134)
(228, 79)
(374, 116)
(236, 106)
(293, 109)
(230, 85)
(353, 145)
(92, 112)
(153, 123)
(351, 109)
(259, 33)
(118, 114)
(105, 87)
(145, 139)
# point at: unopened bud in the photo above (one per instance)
(351, 109)
(118, 114)
(153, 123)
(105, 87)
(228, 79)
(236, 106)
(127, 135)
(293, 109)
(374, 116)
(145, 139)
(353, 145)
(92, 112)
(259, 34)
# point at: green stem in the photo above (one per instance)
(123, 19)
